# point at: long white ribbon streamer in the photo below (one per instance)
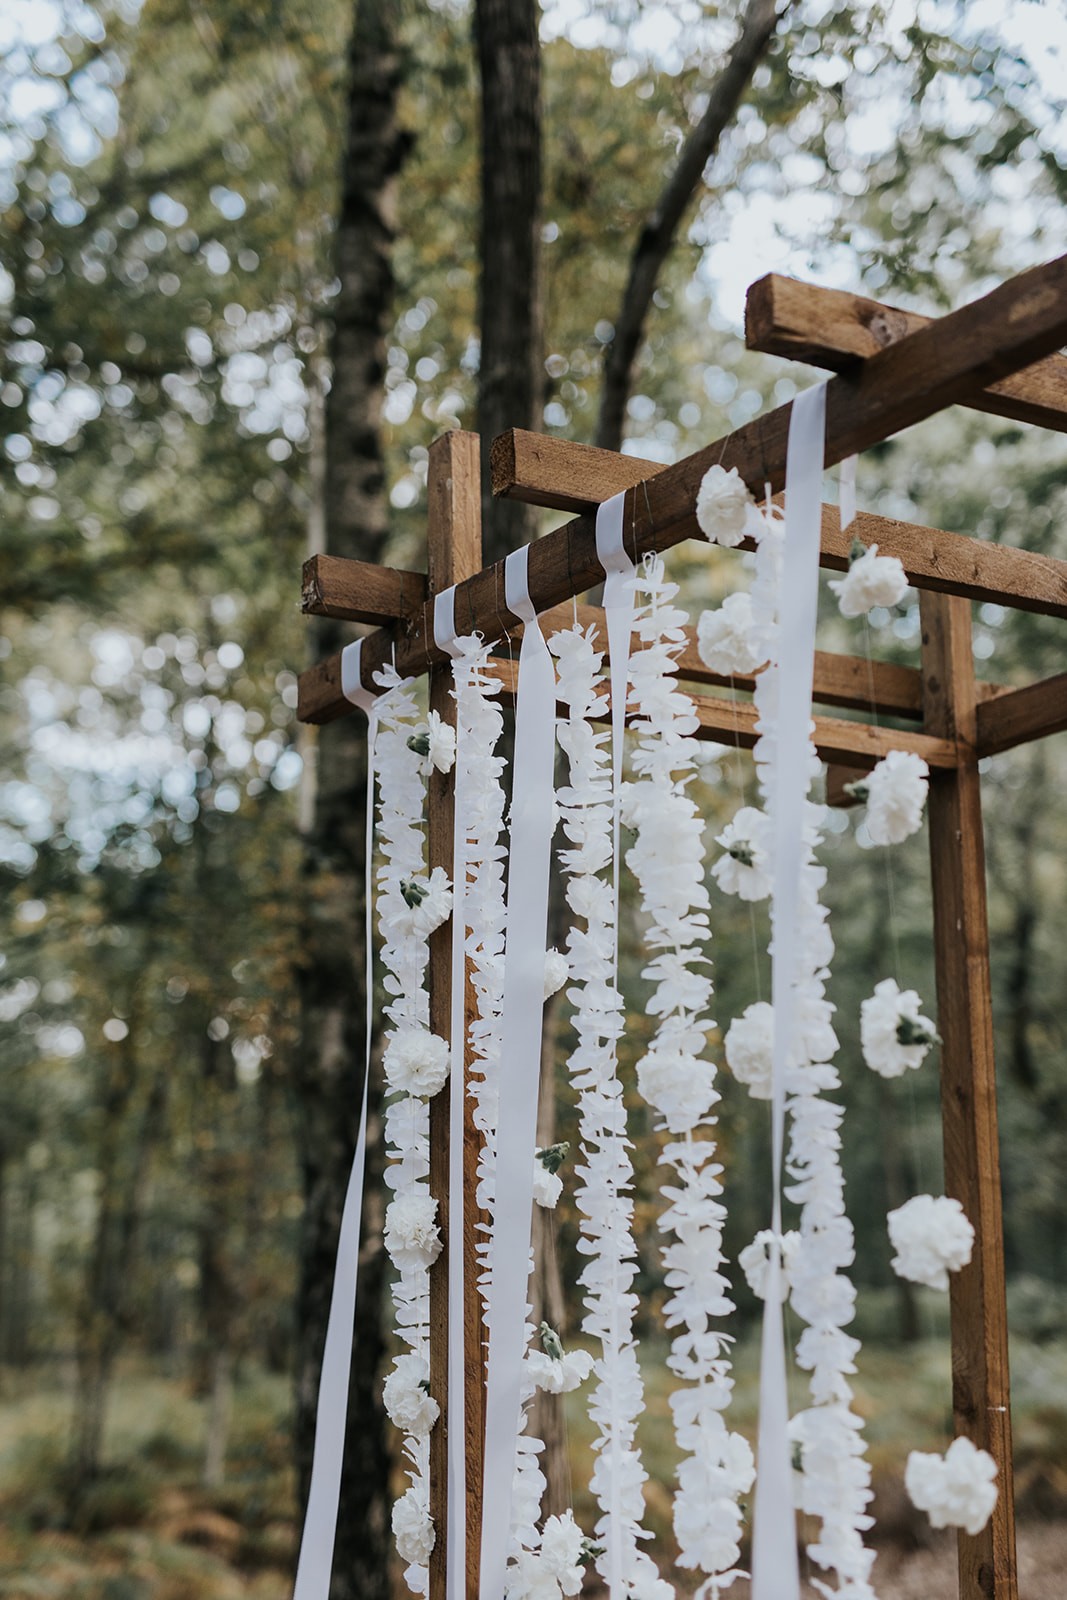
(315, 1563)
(444, 637)
(619, 621)
(775, 1574)
(532, 823)
(619, 601)
(847, 491)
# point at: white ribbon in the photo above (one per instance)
(847, 491)
(532, 823)
(618, 620)
(775, 1574)
(444, 637)
(315, 1564)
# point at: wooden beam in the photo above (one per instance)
(856, 745)
(454, 551)
(834, 328)
(358, 591)
(950, 562)
(980, 1385)
(1016, 716)
(1008, 329)
(560, 473)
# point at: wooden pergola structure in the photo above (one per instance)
(894, 369)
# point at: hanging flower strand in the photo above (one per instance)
(835, 1479)
(603, 1171)
(411, 904)
(678, 1081)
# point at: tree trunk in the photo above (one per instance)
(658, 234)
(328, 1068)
(511, 371)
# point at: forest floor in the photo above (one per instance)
(150, 1531)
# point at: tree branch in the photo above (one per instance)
(657, 236)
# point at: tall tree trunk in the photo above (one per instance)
(511, 371)
(328, 1068)
(660, 230)
(124, 1168)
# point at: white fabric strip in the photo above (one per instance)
(315, 1563)
(619, 620)
(532, 823)
(619, 601)
(775, 1574)
(444, 637)
(847, 491)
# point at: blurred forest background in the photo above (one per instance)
(244, 282)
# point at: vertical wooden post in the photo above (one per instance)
(454, 552)
(980, 1389)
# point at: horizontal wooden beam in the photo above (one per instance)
(358, 591)
(836, 329)
(1006, 330)
(933, 559)
(856, 745)
(1017, 716)
(560, 473)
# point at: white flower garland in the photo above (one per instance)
(835, 1485)
(679, 1082)
(604, 1172)
(410, 905)
(871, 580)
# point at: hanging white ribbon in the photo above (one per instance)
(315, 1563)
(775, 1574)
(619, 601)
(444, 637)
(532, 823)
(619, 622)
(847, 491)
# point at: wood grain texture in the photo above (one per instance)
(857, 745)
(1008, 329)
(1016, 716)
(834, 328)
(980, 1382)
(358, 591)
(561, 473)
(454, 551)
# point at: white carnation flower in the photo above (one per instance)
(893, 1034)
(435, 741)
(724, 637)
(561, 1551)
(932, 1237)
(957, 1490)
(427, 903)
(407, 1398)
(754, 1261)
(745, 868)
(677, 1083)
(558, 1374)
(411, 1235)
(557, 971)
(871, 580)
(416, 1061)
(749, 1046)
(722, 506)
(547, 1186)
(412, 1525)
(895, 792)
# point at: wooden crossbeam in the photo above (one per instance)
(834, 328)
(1005, 331)
(951, 563)
(856, 745)
(359, 591)
(1017, 716)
